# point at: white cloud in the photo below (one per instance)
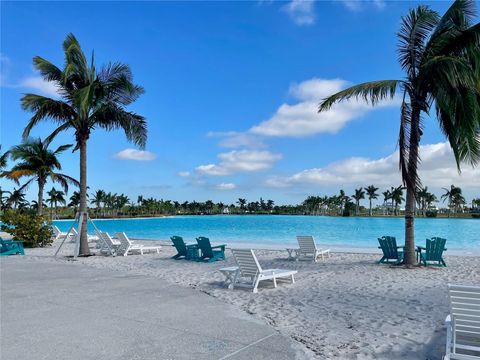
(183, 173)
(225, 186)
(301, 12)
(134, 154)
(359, 5)
(240, 161)
(437, 169)
(302, 119)
(234, 139)
(38, 83)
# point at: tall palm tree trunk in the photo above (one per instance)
(370, 211)
(84, 250)
(414, 143)
(41, 185)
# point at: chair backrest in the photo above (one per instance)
(389, 246)
(105, 236)
(465, 317)
(434, 248)
(125, 242)
(306, 244)
(56, 230)
(179, 245)
(205, 246)
(247, 262)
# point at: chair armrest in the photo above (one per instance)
(219, 246)
(192, 246)
(400, 246)
(419, 247)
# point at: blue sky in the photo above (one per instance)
(231, 90)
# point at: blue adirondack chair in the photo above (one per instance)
(389, 246)
(433, 252)
(184, 251)
(11, 247)
(208, 252)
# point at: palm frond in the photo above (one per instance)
(48, 71)
(372, 92)
(45, 108)
(415, 29)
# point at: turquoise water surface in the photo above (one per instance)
(278, 231)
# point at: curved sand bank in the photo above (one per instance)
(346, 307)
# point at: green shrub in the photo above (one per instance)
(27, 226)
(431, 213)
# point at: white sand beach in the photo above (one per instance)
(346, 307)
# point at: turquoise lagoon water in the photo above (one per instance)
(278, 231)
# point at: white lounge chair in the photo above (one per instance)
(463, 323)
(107, 244)
(250, 273)
(307, 249)
(127, 246)
(57, 234)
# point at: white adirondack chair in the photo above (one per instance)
(250, 273)
(308, 249)
(107, 244)
(128, 246)
(463, 323)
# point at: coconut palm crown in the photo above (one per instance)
(40, 164)
(441, 60)
(88, 99)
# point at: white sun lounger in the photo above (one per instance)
(107, 244)
(463, 323)
(250, 273)
(60, 234)
(307, 249)
(127, 246)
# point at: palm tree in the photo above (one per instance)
(372, 194)
(455, 198)
(16, 198)
(397, 197)
(242, 203)
(54, 198)
(386, 196)
(39, 163)
(98, 199)
(359, 195)
(441, 58)
(89, 100)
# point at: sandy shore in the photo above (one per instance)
(346, 307)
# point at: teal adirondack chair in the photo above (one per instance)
(208, 252)
(388, 244)
(183, 250)
(433, 252)
(11, 247)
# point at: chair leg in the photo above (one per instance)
(293, 279)
(274, 282)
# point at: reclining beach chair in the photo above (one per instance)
(463, 323)
(208, 252)
(107, 244)
(433, 252)
(57, 234)
(184, 251)
(127, 246)
(308, 249)
(11, 247)
(250, 273)
(389, 246)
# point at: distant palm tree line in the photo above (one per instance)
(107, 204)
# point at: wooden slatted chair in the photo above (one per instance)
(11, 247)
(433, 252)
(250, 273)
(389, 247)
(208, 252)
(463, 323)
